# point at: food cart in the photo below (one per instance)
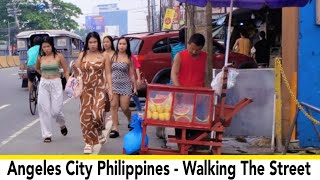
(189, 109)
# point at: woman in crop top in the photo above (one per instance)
(50, 95)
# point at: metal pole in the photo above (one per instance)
(149, 16)
(160, 15)
(153, 5)
(225, 28)
(9, 40)
(228, 35)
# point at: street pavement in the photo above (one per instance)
(20, 131)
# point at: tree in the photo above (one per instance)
(42, 14)
(4, 19)
(49, 14)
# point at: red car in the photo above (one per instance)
(153, 51)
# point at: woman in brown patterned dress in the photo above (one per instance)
(96, 71)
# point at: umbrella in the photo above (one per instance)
(251, 4)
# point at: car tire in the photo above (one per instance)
(163, 80)
(162, 77)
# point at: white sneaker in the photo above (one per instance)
(87, 149)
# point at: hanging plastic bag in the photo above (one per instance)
(216, 83)
(74, 86)
(133, 139)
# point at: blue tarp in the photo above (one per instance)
(251, 4)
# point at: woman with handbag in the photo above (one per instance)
(123, 83)
(96, 73)
(50, 95)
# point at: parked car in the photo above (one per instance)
(153, 51)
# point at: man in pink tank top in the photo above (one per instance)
(188, 69)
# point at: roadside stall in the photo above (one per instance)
(194, 109)
(189, 109)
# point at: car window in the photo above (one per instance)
(173, 41)
(161, 46)
(217, 48)
(75, 44)
(135, 46)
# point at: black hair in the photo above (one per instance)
(111, 40)
(262, 34)
(37, 40)
(90, 35)
(182, 35)
(128, 50)
(49, 40)
(198, 39)
(244, 33)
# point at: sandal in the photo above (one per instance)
(114, 134)
(87, 149)
(47, 140)
(64, 131)
(102, 139)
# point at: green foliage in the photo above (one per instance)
(55, 14)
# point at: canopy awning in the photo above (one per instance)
(251, 4)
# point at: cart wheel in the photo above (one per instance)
(160, 132)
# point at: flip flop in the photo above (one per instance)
(114, 134)
(64, 131)
(47, 140)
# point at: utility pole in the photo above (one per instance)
(149, 17)
(14, 11)
(160, 16)
(153, 14)
(170, 3)
(9, 39)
